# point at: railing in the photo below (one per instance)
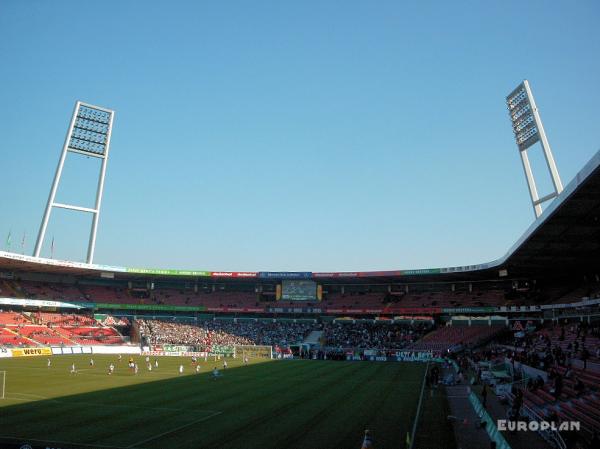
(506, 388)
(490, 426)
(551, 436)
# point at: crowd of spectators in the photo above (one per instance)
(364, 335)
(559, 345)
(226, 333)
(378, 335)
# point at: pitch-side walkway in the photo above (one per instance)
(517, 440)
(468, 433)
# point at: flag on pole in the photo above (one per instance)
(407, 439)
(367, 442)
(23, 243)
(52, 249)
(9, 239)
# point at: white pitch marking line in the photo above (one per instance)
(97, 404)
(62, 442)
(119, 374)
(30, 394)
(176, 429)
(418, 414)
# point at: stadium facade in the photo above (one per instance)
(557, 254)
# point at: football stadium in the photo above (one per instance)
(501, 354)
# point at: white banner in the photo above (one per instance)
(175, 354)
(36, 303)
(99, 349)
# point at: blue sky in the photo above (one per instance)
(316, 135)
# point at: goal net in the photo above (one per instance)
(250, 351)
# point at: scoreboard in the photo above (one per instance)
(292, 290)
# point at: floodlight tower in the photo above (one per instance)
(88, 134)
(528, 129)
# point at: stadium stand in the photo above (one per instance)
(560, 344)
(224, 332)
(449, 337)
(568, 395)
(452, 299)
(92, 335)
(12, 338)
(46, 328)
(43, 335)
(60, 319)
(354, 301)
(359, 299)
(100, 293)
(53, 291)
(12, 318)
(366, 335)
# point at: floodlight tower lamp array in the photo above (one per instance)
(528, 129)
(88, 134)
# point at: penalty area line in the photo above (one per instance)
(100, 404)
(104, 446)
(176, 429)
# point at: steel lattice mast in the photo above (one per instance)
(88, 134)
(528, 129)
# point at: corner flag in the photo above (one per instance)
(367, 442)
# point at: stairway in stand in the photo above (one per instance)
(314, 338)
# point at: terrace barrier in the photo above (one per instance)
(490, 424)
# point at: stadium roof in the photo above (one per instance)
(564, 240)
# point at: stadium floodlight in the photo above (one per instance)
(528, 129)
(88, 134)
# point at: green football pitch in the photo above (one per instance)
(265, 404)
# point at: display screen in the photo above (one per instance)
(299, 291)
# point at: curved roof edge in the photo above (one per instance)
(83, 268)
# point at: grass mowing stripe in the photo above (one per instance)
(388, 410)
(178, 387)
(149, 393)
(253, 397)
(204, 393)
(85, 423)
(233, 397)
(271, 408)
(171, 431)
(346, 423)
(123, 427)
(434, 414)
(303, 404)
(46, 441)
(310, 405)
(28, 397)
(43, 425)
(334, 399)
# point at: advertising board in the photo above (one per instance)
(31, 352)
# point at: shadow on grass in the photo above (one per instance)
(119, 417)
(434, 416)
(299, 404)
